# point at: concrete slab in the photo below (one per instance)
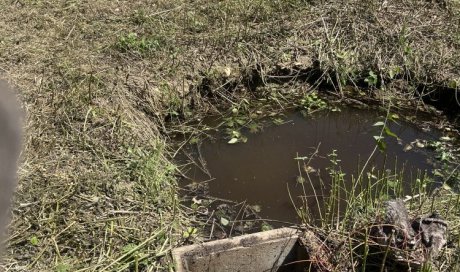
(262, 251)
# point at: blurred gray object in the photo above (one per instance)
(10, 147)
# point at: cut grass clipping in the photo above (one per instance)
(106, 84)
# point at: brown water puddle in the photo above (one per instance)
(260, 171)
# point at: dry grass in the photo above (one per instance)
(100, 80)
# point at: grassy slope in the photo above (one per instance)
(99, 78)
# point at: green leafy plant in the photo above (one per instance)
(34, 240)
(394, 71)
(404, 41)
(448, 157)
(265, 226)
(371, 79)
(224, 221)
(234, 122)
(189, 233)
(140, 45)
(236, 137)
(384, 131)
(63, 267)
(312, 102)
(453, 84)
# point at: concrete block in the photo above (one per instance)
(263, 251)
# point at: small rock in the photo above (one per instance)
(408, 147)
(419, 144)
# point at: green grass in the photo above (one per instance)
(355, 204)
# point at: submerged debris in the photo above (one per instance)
(394, 241)
(405, 242)
(433, 231)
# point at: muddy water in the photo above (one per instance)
(260, 171)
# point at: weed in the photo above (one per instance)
(62, 267)
(371, 79)
(385, 130)
(34, 241)
(448, 157)
(237, 120)
(132, 43)
(189, 233)
(354, 202)
(394, 71)
(312, 103)
(266, 227)
(156, 181)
